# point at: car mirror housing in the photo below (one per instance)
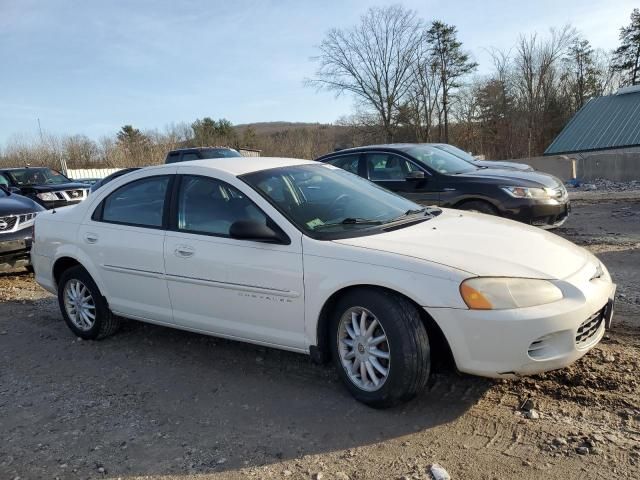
(256, 231)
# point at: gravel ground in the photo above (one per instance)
(153, 402)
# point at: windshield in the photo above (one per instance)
(440, 160)
(37, 176)
(219, 153)
(328, 202)
(458, 152)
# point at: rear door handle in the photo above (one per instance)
(91, 238)
(184, 251)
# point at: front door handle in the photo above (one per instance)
(184, 251)
(90, 237)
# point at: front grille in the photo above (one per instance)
(589, 328)
(7, 223)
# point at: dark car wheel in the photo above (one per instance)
(380, 347)
(83, 307)
(479, 206)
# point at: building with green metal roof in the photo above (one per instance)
(603, 124)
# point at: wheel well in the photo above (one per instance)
(61, 265)
(473, 199)
(321, 352)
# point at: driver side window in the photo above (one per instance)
(210, 206)
(387, 166)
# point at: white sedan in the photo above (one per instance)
(307, 257)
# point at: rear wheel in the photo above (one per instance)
(380, 347)
(83, 307)
(479, 206)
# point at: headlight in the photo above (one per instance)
(47, 196)
(497, 293)
(525, 192)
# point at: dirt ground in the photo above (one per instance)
(159, 403)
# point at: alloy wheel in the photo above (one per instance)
(79, 304)
(363, 348)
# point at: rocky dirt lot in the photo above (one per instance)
(152, 402)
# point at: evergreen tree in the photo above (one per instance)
(451, 63)
(627, 55)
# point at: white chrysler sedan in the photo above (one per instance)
(307, 257)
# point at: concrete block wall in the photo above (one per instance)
(615, 165)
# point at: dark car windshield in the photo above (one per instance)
(219, 153)
(328, 202)
(37, 176)
(458, 152)
(439, 160)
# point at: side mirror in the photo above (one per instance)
(415, 175)
(256, 231)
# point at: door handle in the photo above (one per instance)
(184, 251)
(91, 238)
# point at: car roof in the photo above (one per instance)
(33, 167)
(382, 146)
(198, 149)
(240, 165)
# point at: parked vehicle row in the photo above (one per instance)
(308, 257)
(429, 175)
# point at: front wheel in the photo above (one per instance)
(83, 307)
(380, 347)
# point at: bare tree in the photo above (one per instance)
(423, 96)
(535, 73)
(372, 61)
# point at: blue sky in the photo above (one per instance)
(89, 67)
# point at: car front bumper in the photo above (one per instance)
(526, 341)
(545, 213)
(14, 249)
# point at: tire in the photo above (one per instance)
(406, 346)
(29, 269)
(479, 206)
(76, 282)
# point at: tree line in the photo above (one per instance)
(412, 81)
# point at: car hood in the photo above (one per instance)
(516, 178)
(17, 204)
(523, 167)
(481, 245)
(55, 188)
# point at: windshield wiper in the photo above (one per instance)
(350, 221)
(408, 213)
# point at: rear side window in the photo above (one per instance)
(347, 162)
(139, 203)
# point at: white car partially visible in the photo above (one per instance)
(307, 257)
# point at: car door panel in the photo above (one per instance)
(391, 171)
(131, 264)
(230, 287)
(125, 238)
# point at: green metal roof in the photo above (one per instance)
(603, 123)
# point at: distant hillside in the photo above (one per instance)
(268, 128)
